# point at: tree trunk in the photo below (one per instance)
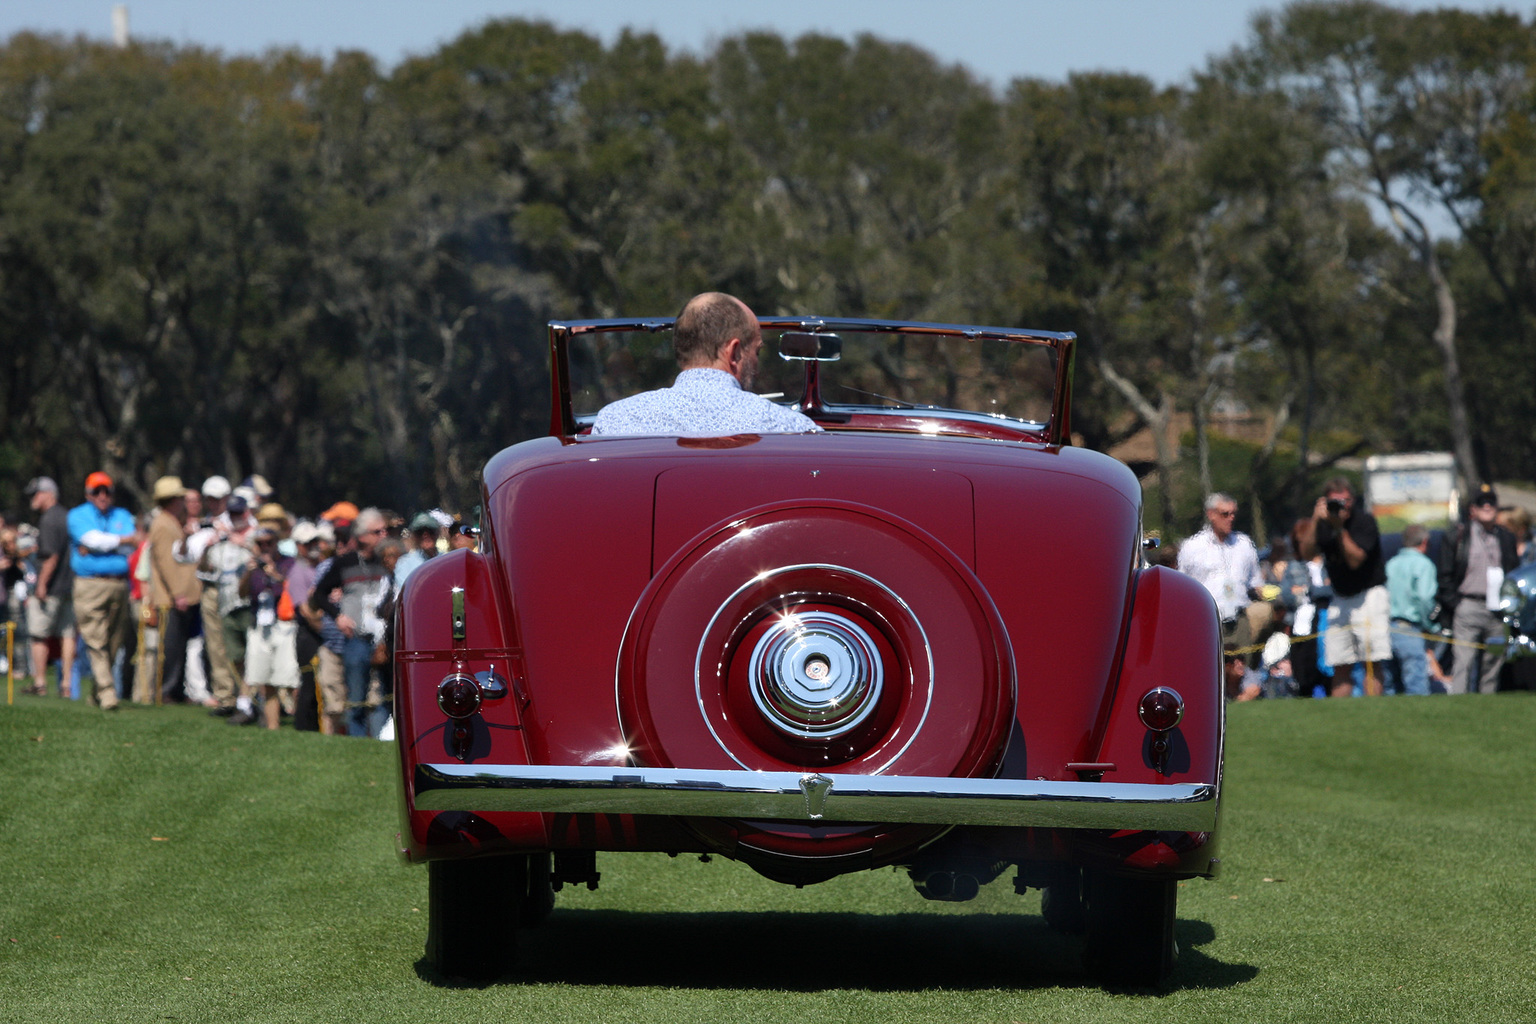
(1157, 418)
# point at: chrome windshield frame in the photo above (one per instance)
(1058, 429)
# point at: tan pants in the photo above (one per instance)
(330, 683)
(227, 681)
(101, 615)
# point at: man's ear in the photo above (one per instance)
(730, 355)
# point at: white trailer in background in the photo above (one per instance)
(1413, 487)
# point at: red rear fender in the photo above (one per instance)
(452, 621)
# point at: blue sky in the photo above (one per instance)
(997, 39)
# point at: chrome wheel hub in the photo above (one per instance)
(815, 675)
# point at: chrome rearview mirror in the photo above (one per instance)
(802, 345)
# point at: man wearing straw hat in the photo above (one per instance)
(174, 588)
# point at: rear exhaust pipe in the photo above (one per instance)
(947, 886)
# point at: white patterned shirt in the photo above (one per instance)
(1227, 569)
(700, 401)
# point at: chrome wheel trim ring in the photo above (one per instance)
(815, 675)
(924, 654)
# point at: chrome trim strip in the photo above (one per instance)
(1183, 807)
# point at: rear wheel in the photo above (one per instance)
(1129, 930)
(540, 900)
(473, 910)
(1061, 904)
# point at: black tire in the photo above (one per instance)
(1061, 904)
(473, 910)
(1130, 922)
(540, 898)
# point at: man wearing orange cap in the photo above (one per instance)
(102, 536)
(343, 513)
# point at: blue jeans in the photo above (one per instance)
(357, 666)
(1408, 655)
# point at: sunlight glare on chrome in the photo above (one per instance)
(616, 754)
(791, 621)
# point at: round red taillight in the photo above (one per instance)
(459, 696)
(1161, 709)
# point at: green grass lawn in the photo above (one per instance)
(159, 865)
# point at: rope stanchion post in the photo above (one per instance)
(314, 675)
(163, 618)
(10, 663)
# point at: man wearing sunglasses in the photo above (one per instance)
(102, 536)
(1227, 564)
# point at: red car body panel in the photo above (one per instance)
(1024, 557)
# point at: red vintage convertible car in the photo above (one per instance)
(927, 637)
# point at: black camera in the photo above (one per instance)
(1335, 507)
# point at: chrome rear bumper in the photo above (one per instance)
(812, 796)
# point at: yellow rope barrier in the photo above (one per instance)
(1438, 638)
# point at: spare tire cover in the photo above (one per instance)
(817, 637)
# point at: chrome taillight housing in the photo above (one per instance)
(1161, 709)
(459, 695)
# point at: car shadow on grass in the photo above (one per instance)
(821, 951)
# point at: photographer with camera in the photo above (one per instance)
(1360, 617)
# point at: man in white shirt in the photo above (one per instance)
(717, 341)
(1227, 564)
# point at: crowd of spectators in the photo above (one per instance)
(1334, 609)
(218, 595)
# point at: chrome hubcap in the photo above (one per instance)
(815, 675)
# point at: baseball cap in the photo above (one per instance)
(98, 479)
(424, 521)
(1276, 649)
(236, 506)
(306, 532)
(216, 487)
(271, 512)
(341, 510)
(1485, 495)
(41, 483)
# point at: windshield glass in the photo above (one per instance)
(875, 371)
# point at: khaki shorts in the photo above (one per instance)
(53, 617)
(331, 681)
(271, 655)
(1359, 628)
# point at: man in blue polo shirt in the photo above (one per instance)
(101, 537)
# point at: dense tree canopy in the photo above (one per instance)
(337, 276)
